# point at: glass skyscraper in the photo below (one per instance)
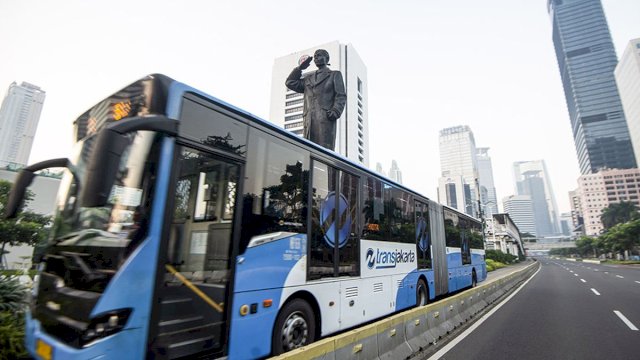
(587, 59)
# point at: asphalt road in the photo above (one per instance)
(568, 310)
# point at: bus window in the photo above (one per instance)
(275, 191)
(373, 221)
(465, 237)
(477, 239)
(321, 244)
(423, 235)
(451, 229)
(401, 220)
(212, 127)
(348, 244)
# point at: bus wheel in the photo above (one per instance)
(474, 279)
(421, 293)
(295, 327)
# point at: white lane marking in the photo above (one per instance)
(638, 282)
(570, 271)
(589, 268)
(595, 291)
(466, 333)
(595, 270)
(606, 272)
(575, 274)
(583, 280)
(621, 277)
(625, 320)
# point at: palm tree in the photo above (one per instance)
(619, 213)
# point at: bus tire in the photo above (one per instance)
(474, 278)
(295, 327)
(422, 294)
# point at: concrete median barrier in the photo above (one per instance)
(402, 335)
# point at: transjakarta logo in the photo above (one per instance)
(383, 259)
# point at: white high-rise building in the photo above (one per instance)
(352, 133)
(19, 116)
(458, 169)
(627, 76)
(532, 179)
(520, 209)
(488, 197)
(394, 173)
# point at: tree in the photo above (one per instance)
(621, 212)
(622, 237)
(28, 228)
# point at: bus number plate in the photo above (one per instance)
(44, 350)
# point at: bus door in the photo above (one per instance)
(194, 295)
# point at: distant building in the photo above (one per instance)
(598, 191)
(352, 133)
(503, 234)
(532, 179)
(587, 59)
(520, 210)
(19, 116)
(627, 75)
(380, 170)
(576, 213)
(566, 224)
(488, 196)
(458, 170)
(394, 173)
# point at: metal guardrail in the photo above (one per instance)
(405, 334)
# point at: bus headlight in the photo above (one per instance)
(104, 325)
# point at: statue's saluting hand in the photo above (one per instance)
(304, 62)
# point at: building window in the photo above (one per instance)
(359, 85)
(294, 102)
(293, 110)
(293, 125)
(294, 95)
(293, 117)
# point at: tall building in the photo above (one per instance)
(532, 179)
(566, 224)
(598, 191)
(352, 133)
(19, 116)
(488, 197)
(586, 58)
(380, 170)
(577, 219)
(520, 209)
(458, 170)
(394, 173)
(627, 75)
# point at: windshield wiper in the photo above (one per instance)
(89, 274)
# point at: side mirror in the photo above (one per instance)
(104, 160)
(24, 179)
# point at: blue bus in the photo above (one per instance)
(188, 228)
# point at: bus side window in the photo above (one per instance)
(423, 235)
(373, 220)
(451, 229)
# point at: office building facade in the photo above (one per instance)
(532, 179)
(488, 196)
(587, 59)
(598, 191)
(627, 76)
(395, 173)
(458, 170)
(520, 210)
(19, 116)
(352, 132)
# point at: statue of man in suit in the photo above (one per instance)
(324, 98)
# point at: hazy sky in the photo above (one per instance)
(431, 65)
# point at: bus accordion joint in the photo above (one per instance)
(194, 288)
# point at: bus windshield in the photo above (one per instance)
(89, 244)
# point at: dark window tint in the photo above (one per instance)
(401, 217)
(423, 235)
(347, 206)
(322, 250)
(451, 229)
(373, 210)
(212, 126)
(477, 238)
(465, 235)
(275, 193)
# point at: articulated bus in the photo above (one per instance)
(188, 228)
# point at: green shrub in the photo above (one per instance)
(499, 256)
(12, 335)
(493, 265)
(13, 296)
